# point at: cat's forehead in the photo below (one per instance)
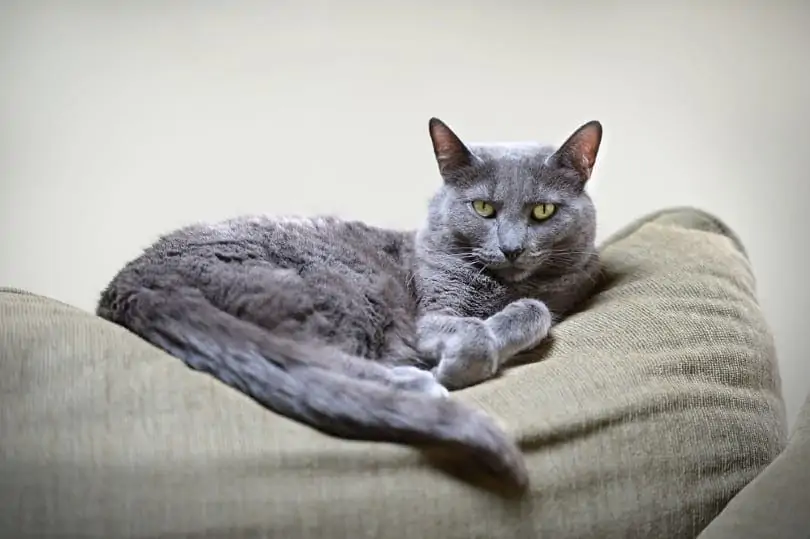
(514, 171)
(519, 151)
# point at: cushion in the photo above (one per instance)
(775, 504)
(643, 415)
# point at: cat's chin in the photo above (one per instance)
(511, 273)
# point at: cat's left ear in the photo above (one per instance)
(580, 150)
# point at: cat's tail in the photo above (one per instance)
(295, 380)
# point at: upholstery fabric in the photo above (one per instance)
(643, 415)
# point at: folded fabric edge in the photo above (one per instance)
(754, 513)
(687, 217)
(16, 291)
(13, 291)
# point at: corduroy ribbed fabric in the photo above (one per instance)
(776, 504)
(642, 417)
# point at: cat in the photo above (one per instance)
(359, 331)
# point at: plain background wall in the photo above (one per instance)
(122, 119)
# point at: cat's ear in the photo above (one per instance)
(580, 150)
(451, 153)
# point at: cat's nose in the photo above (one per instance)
(512, 253)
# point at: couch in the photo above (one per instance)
(655, 411)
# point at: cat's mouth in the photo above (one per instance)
(513, 272)
(510, 270)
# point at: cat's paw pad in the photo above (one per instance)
(410, 378)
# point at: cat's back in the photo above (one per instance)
(287, 242)
(321, 277)
(317, 249)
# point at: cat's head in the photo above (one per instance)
(515, 208)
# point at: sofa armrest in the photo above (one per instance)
(777, 502)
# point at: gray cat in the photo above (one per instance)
(359, 331)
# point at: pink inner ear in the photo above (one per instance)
(443, 145)
(445, 141)
(445, 152)
(585, 147)
(449, 149)
(588, 155)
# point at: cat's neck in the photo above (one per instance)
(440, 250)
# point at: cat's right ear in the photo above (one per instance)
(451, 154)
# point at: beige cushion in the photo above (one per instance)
(648, 412)
(775, 504)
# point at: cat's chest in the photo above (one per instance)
(472, 292)
(468, 294)
(486, 296)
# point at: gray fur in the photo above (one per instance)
(356, 330)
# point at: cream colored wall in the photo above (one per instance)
(120, 120)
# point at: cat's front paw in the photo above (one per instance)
(469, 355)
(532, 312)
(521, 325)
(410, 378)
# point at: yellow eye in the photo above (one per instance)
(541, 212)
(483, 208)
